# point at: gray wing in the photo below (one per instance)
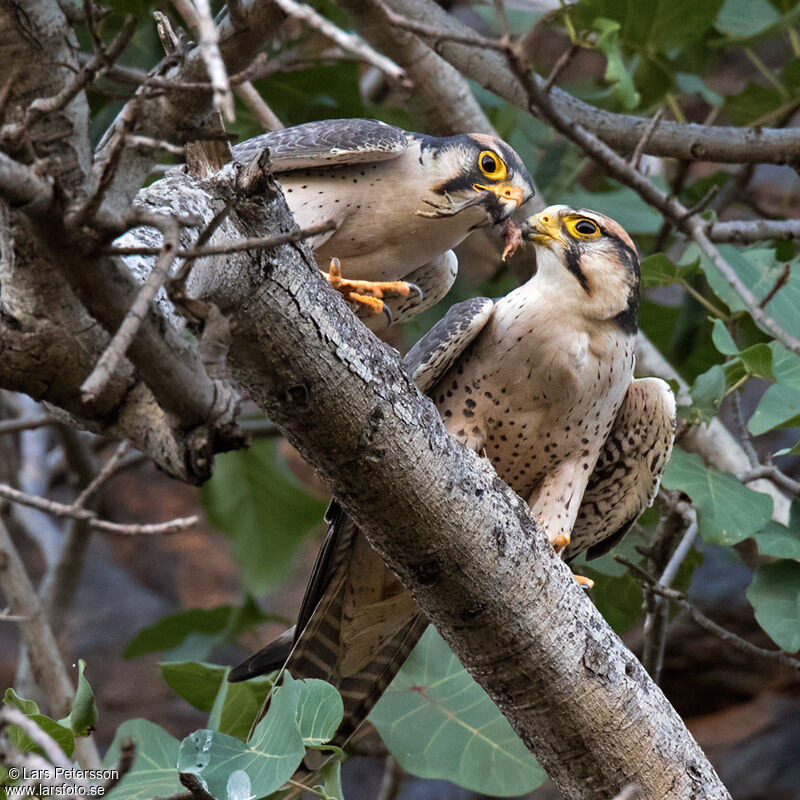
(329, 141)
(439, 348)
(628, 472)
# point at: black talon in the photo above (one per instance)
(416, 289)
(388, 312)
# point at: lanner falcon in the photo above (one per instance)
(401, 202)
(540, 382)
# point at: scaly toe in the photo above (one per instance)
(586, 583)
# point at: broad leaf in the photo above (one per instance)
(659, 270)
(616, 73)
(262, 765)
(60, 733)
(154, 770)
(83, 715)
(439, 723)
(204, 627)
(237, 705)
(775, 597)
(319, 712)
(727, 510)
(196, 682)
(778, 541)
(742, 19)
(254, 501)
(708, 391)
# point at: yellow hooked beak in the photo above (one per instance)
(542, 228)
(504, 191)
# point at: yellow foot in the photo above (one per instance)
(560, 541)
(587, 583)
(368, 294)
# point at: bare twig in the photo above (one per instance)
(705, 622)
(93, 386)
(771, 472)
(61, 510)
(260, 243)
(127, 757)
(51, 749)
(560, 66)
(170, 40)
(209, 49)
(780, 282)
(392, 780)
(250, 96)
(90, 71)
(133, 140)
(109, 468)
(350, 42)
(745, 437)
(192, 783)
(25, 424)
(642, 143)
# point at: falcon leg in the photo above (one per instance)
(368, 294)
(556, 504)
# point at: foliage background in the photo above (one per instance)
(206, 597)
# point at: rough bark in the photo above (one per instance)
(465, 545)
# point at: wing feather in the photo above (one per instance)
(628, 472)
(328, 141)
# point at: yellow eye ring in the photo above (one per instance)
(491, 165)
(583, 228)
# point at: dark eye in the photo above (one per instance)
(586, 227)
(488, 163)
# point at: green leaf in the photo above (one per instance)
(743, 19)
(252, 499)
(708, 391)
(778, 541)
(616, 73)
(778, 408)
(759, 270)
(154, 771)
(62, 735)
(723, 340)
(658, 270)
(775, 597)
(653, 26)
(727, 510)
(83, 715)
(757, 360)
(752, 103)
(237, 705)
(257, 768)
(207, 627)
(694, 84)
(332, 776)
(319, 711)
(196, 682)
(439, 723)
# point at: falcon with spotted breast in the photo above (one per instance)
(401, 201)
(540, 382)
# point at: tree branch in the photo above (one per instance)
(467, 547)
(621, 131)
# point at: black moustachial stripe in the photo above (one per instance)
(574, 266)
(627, 318)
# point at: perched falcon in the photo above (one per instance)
(540, 382)
(401, 202)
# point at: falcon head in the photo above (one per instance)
(590, 256)
(475, 169)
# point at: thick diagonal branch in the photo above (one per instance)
(465, 545)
